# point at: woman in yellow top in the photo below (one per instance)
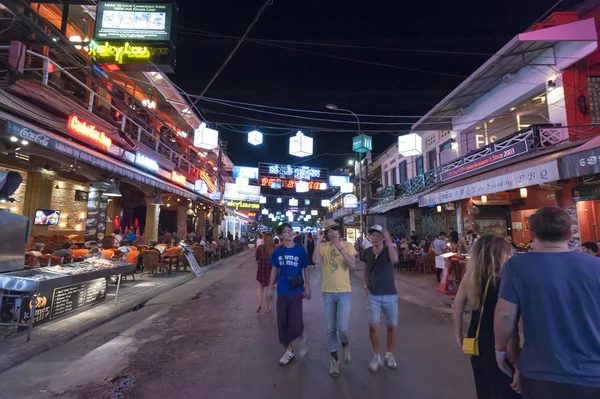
(337, 258)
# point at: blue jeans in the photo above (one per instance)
(386, 303)
(337, 317)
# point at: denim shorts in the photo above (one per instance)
(386, 303)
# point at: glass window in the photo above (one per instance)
(393, 172)
(431, 160)
(446, 146)
(403, 172)
(385, 179)
(420, 167)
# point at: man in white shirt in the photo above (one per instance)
(439, 247)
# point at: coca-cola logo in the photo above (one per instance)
(34, 137)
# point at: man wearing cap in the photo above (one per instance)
(381, 292)
(337, 258)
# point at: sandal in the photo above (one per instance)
(258, 309)
(268, 310)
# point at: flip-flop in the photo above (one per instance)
(258, 309)
(268, 311)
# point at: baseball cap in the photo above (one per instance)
(376, 228)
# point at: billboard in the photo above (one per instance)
(242, 193)
(338, 180)
(133, 21)
(245, 171)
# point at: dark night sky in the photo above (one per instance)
(279, 77)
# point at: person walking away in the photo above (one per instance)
(558, 293)
(263, 273)
(380, 289)
(290, 260)
(260, 240)
(337, 258)
(479, 289)
(310, 249)
(439, 247)
(453, 236)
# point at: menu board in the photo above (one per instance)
(95, 225)
(77, 296)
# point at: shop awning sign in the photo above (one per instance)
(146, 162)
(528, 176)
(580, 164)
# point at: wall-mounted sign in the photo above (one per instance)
(146, 162)
(242, 193)
(292, 172)
(497, 156)
(88, 132)
(178, 178)
(133, 21)
(350, 201)
(245, 171)
(286, 183)
(585, 193)
(544, 173)
(252, 214)
(200, 187)
(242, 205)
(337, 181)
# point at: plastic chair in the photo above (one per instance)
(170, 255)
(108, 253)
(132, 257)
(79, 254)
(132, 248)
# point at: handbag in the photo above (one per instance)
(296, 281)
(471, 345)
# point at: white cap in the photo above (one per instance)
(376, 228)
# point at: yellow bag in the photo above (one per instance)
(470, 346)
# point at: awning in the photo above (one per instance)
(54, 142)
(399, 202)
(525, 173)
(581, 161)
(571, 42)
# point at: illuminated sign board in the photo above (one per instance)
(245, 171)
(286, 183)
(242, 193)
(200, 187)
(125, 53)
(146, 162)
(209, 182)
(350, 201)
(133, 21)
(338, 181)
(242, 205)
(178, 178)
(88, 131)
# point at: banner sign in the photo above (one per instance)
(531, 176)
(580, 164)
(495, 157)
(338, 180)
(289, 172)
(101, 162)
(286, 183)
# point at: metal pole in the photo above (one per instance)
(360, 184)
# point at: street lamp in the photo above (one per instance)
(350, 162)
(334, 107)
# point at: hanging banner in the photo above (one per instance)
(531, 176)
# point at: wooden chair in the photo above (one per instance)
(79, 254)
(199, 255)
(172, 255)
(429, 266)
(151, 262)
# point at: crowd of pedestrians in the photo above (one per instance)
(534, 330)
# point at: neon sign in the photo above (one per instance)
(77, 126)
(242, 205)
(209, 182)
(178, 178)
(286, 183)
(146, 162)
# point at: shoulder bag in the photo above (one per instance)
(471, 345)
(296, 281)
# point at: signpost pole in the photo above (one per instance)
(360, 197)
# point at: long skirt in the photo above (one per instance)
(289, 317)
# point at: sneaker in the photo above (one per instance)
(390, 361)
(376, 363)
(302, 343)
(334, 367)
(287, 357)
(347, 356)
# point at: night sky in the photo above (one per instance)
(279, 77)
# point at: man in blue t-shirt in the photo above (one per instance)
(289, 260)
(558, 294)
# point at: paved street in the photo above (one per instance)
(206, 341)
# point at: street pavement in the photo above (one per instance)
(205, 340)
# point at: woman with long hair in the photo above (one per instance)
(310, 249)
(263, 274)
(479, 288)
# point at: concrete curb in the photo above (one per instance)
(34, 348)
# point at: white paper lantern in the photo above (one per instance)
(323, 186)
(302, 186)
(347, 187)
(314, 212)
(255, 137)
(242, 181)
(279, 200)
(325, 203)
(301, 145)
(271, 216)
(206, 138)
(303, 212)
(410, 144)
(262, 200)
(265, 211)
(293, 202)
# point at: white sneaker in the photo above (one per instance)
(302, 343)
(287, 357)
(376, 363)
(334, 367)
(347, 356)
(390, 361)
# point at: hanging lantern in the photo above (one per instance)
(439, 208)
(314, 212)
(410, 144)
(484, 199)
(255, 137)
(325, 203)
(301, 145)
(523, 192)
(322, 186)
(302, 186)
(262, 200)
(347, 188)
(279, 200)
(206, 138)
(293, 202)
(362, 143)
(265, 211)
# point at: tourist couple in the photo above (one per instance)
(337, 258)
